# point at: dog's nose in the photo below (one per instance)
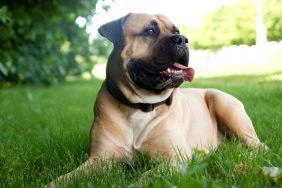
(179, 40)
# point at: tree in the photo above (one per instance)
(40, 42)
(229, 25)
(235, 25)
(272, 11)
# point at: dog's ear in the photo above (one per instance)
(113, 31)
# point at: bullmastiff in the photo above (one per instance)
(140, 106)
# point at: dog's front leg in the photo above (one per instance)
(86, 168)
(102, 151)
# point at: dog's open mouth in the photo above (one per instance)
(171, 77)
(179, 70)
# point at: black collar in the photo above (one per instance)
(145, 107)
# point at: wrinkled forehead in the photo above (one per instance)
(137, 22)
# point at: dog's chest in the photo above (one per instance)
(141, 123)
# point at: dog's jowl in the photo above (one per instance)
(140, 105)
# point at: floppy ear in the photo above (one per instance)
(113, 31)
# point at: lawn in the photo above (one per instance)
(44, 133)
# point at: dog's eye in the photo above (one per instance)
(149, 32)
(176, 32)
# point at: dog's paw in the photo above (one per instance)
(263, 146)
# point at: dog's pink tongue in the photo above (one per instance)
(188, 72)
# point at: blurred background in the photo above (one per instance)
(46, 42)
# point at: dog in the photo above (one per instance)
(140, 106)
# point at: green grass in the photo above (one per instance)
(44, 133)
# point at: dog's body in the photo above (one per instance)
(140, 105)
(196, 119)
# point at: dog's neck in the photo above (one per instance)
(145, 107)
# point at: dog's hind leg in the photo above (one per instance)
(230, 114)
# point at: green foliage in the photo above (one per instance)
(40, 42)
(101, 47)
(272, 11)
(227, 26)
(235, 25)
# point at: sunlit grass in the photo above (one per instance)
(44, 133)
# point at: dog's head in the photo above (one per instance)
(154, 54)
